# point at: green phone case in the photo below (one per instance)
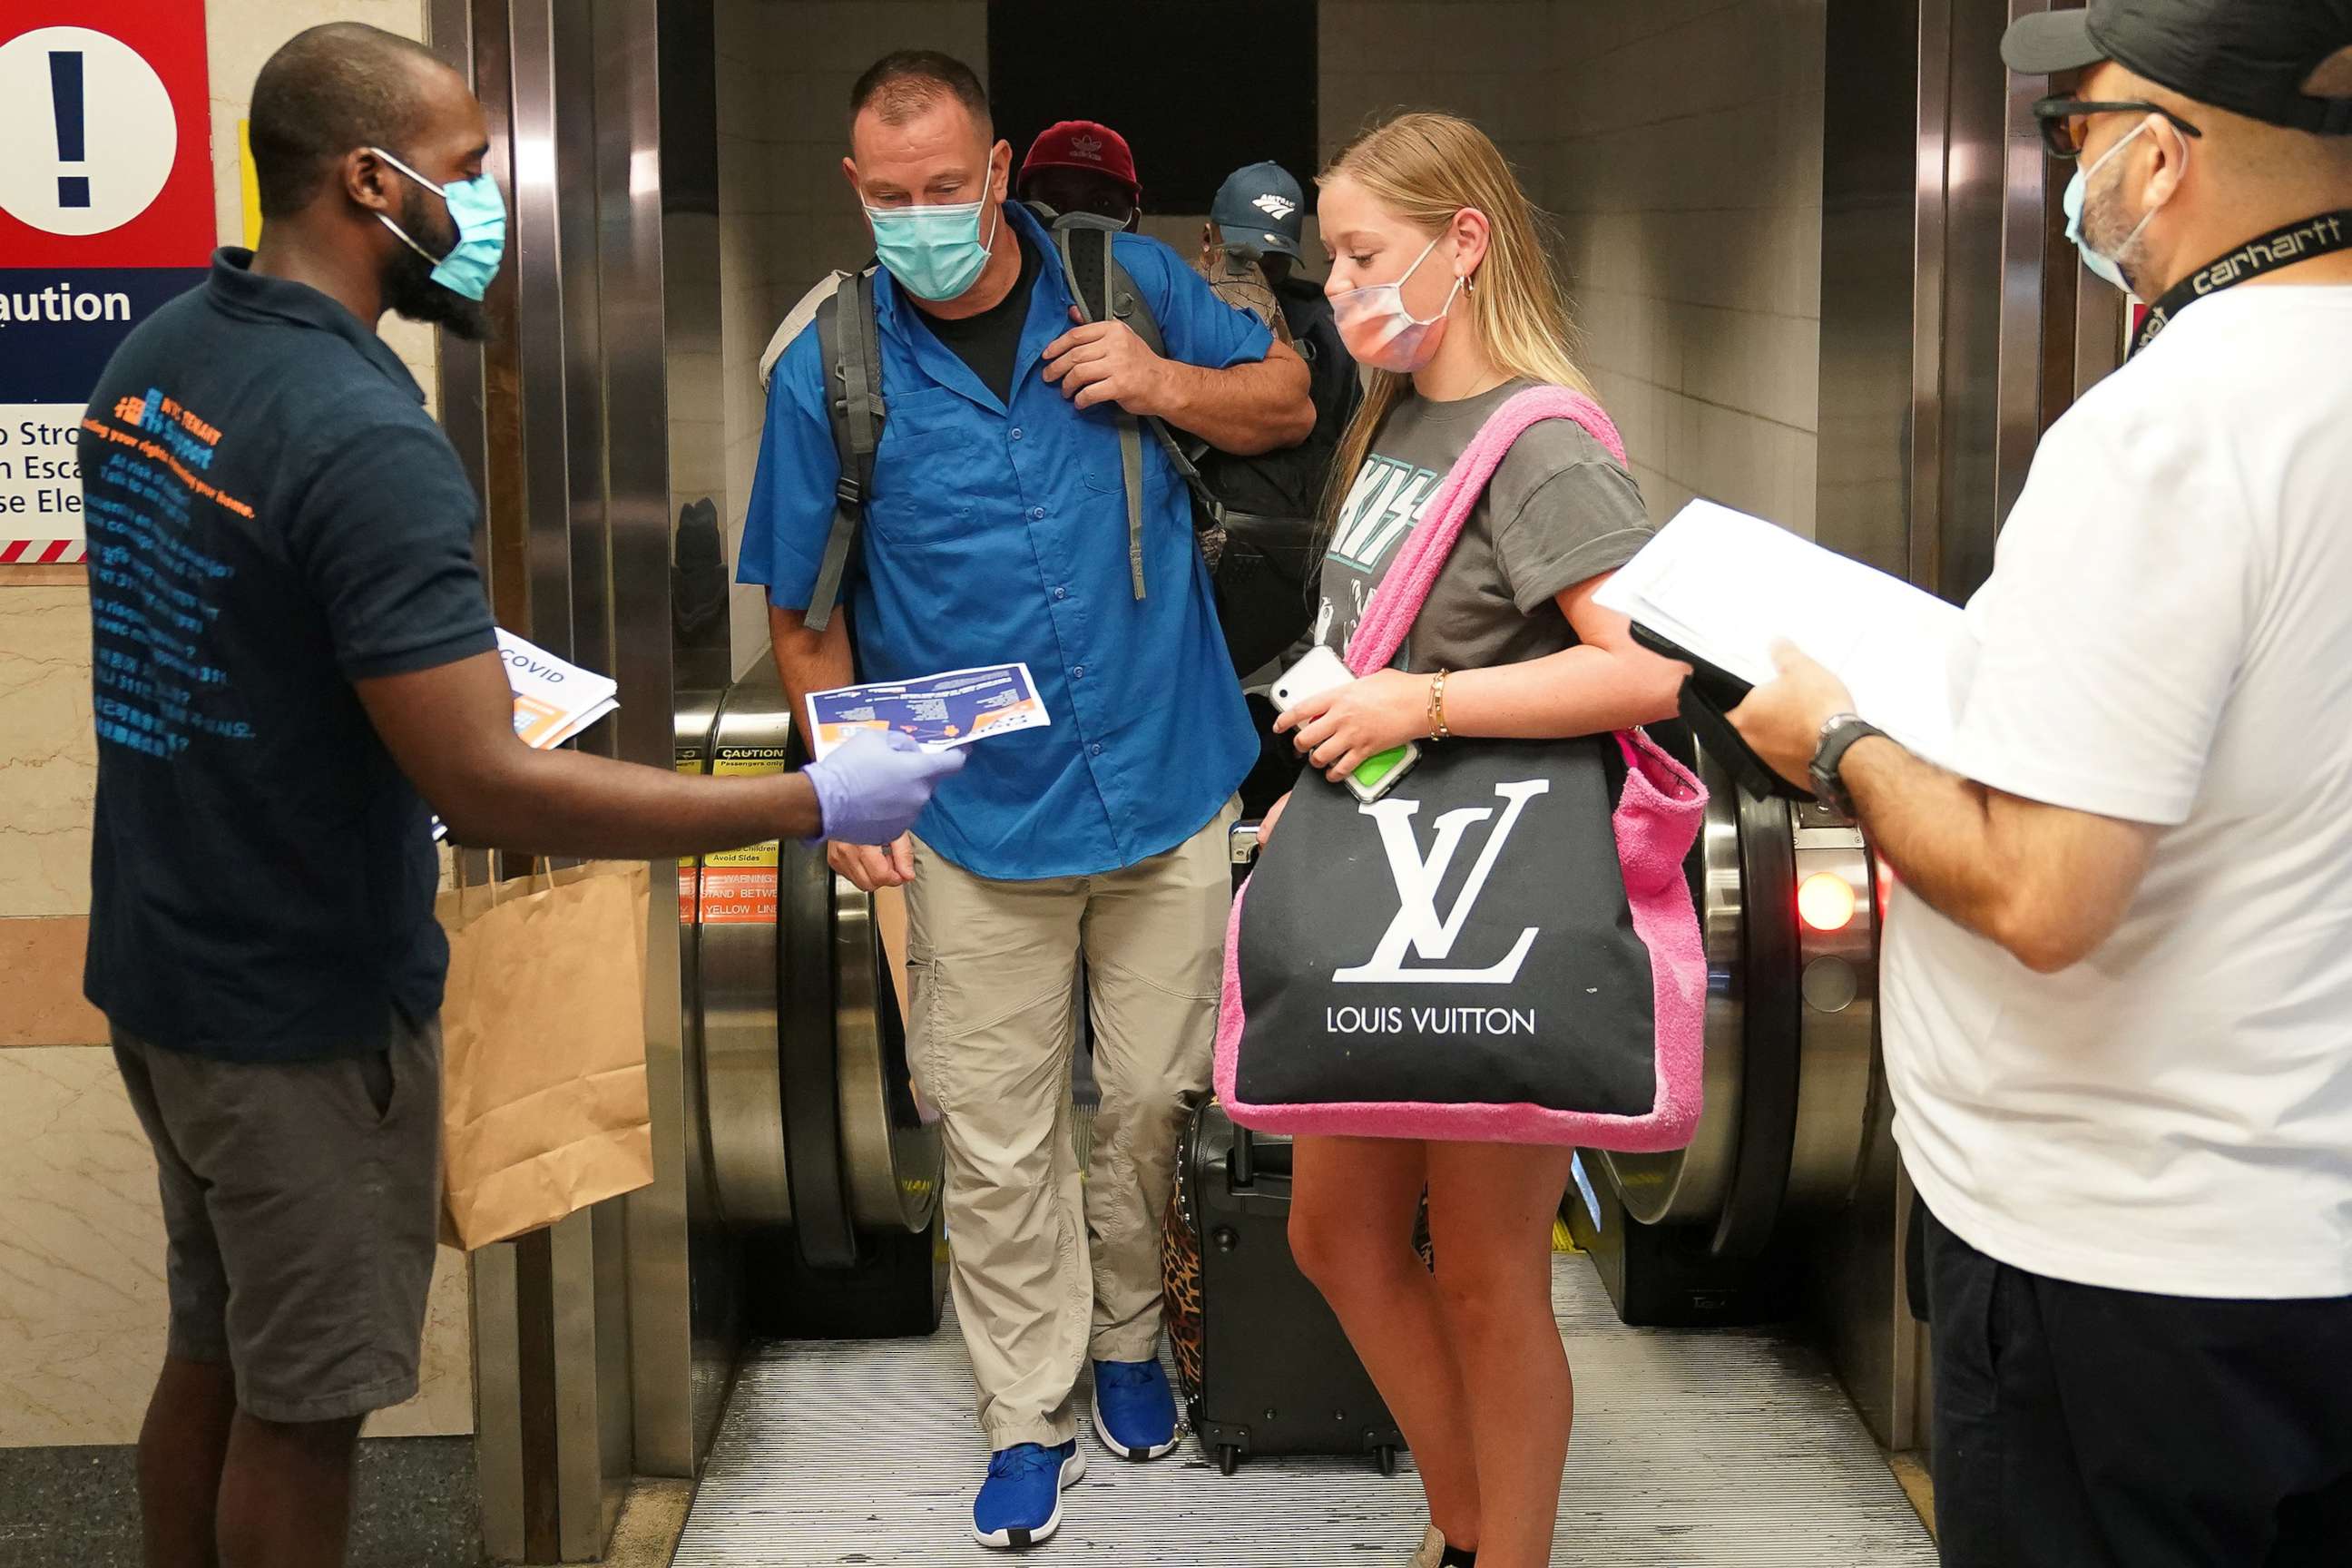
(1370, 775)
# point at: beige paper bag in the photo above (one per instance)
(543, 1050)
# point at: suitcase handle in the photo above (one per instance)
(1248, 1159)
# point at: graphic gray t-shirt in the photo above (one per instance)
(1559, 510)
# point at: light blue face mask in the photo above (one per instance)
(480, 214)
(2077, 190)
(935, 252)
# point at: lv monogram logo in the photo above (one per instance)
(1417, 927)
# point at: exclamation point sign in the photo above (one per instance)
(65, 94)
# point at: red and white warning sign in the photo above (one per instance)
(106, 213)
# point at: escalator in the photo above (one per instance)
(819, 1155)
(1786, 894)
(848, 1435)
(824, 1163)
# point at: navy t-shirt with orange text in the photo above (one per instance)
(272, 516)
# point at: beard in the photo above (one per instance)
(2114, 234)
(409, 290)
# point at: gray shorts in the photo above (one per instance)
(301, 1201)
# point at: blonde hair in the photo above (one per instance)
(1426, 168)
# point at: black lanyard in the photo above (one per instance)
(2322, 235)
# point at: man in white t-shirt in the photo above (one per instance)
(2118, 998)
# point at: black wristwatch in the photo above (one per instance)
(1838, 736)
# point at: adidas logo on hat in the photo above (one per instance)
(1087, 147)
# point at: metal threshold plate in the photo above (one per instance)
(1691, 1449)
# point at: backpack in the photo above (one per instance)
(1259, 564)
(1335, 383)
(1289, 482)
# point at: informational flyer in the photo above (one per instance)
(554, 700)
(939, 711)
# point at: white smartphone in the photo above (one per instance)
(1320, 672)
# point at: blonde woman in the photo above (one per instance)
(1442, 287)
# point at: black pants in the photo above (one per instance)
(2079, 1428)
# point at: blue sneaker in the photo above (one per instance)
(1135, 1410)
(1020, 1502)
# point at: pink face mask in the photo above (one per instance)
(1381, 332)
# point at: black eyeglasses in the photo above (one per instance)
(2066, 122)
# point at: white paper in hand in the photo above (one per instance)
(554, 699)
(1727, 586)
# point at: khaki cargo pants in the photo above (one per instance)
(1051, 1269)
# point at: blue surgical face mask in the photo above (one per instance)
(480, 214)
(2078, 189)
(935, 252)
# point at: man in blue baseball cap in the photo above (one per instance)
(1261, 212)
(1255, 226)
(1263, 208)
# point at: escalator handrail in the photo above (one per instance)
(807, 1057)
(1757, 1189)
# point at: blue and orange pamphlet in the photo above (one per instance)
(939, 711)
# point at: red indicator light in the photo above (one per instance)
(1825, 901)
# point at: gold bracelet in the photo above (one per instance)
(1437, 729)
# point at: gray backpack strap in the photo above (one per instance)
(1128, 303)
(1105, 292)
(852, 355)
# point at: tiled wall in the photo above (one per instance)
(81, 1244)
(1677, 145)
(1687, 173)
(1486, 60)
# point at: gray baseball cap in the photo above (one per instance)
(2250, 56)
(1261, 207)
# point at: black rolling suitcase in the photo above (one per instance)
(1264, 1365)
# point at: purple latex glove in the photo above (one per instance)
(875, 784)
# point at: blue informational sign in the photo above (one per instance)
(106, 213)
(59, 326)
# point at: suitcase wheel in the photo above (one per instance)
(1229, 1458)
(1386, 1457)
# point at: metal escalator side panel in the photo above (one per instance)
(1771, 1036)
(736, 938)
(697, 721)
(807, 1056)
(1686, 1186)
(1837, 969)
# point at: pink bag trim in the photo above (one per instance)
(1654, 822)
(1397, 603)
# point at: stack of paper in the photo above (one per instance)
(553, 699)
(1724, 587)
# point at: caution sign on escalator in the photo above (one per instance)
(739, 886)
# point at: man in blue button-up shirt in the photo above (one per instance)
(997, 530)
